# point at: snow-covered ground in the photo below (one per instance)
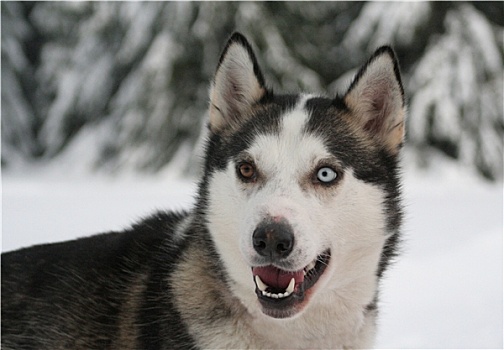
(445, 291)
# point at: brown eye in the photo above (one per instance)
(246, 171)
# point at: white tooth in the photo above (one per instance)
(260, 284)
(262, 287)
(290, 287)
(310, 266)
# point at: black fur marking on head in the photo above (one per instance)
(264, 119)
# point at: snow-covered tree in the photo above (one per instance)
(19, 120)
(457, 92)
(124, 84)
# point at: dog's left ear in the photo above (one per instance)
(376, 99)
(238, 85)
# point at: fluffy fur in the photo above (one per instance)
(299, 188)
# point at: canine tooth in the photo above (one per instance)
(260, 284)
(290, 287)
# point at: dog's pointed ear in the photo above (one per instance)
(238, 84)
(376, 100)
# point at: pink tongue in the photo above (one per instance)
(277, 278)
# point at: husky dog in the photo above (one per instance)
(297, 217)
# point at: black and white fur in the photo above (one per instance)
(294, 185)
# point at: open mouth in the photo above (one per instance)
(282, 293)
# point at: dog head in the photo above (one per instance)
(302, 191)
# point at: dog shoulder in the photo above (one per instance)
(83, 291)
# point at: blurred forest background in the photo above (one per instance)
(116, 86)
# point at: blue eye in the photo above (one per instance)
(326, 175)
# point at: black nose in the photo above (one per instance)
(273, 239)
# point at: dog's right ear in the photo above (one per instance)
(238, 84)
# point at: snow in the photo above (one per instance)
(48, 206)
(444, 291)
